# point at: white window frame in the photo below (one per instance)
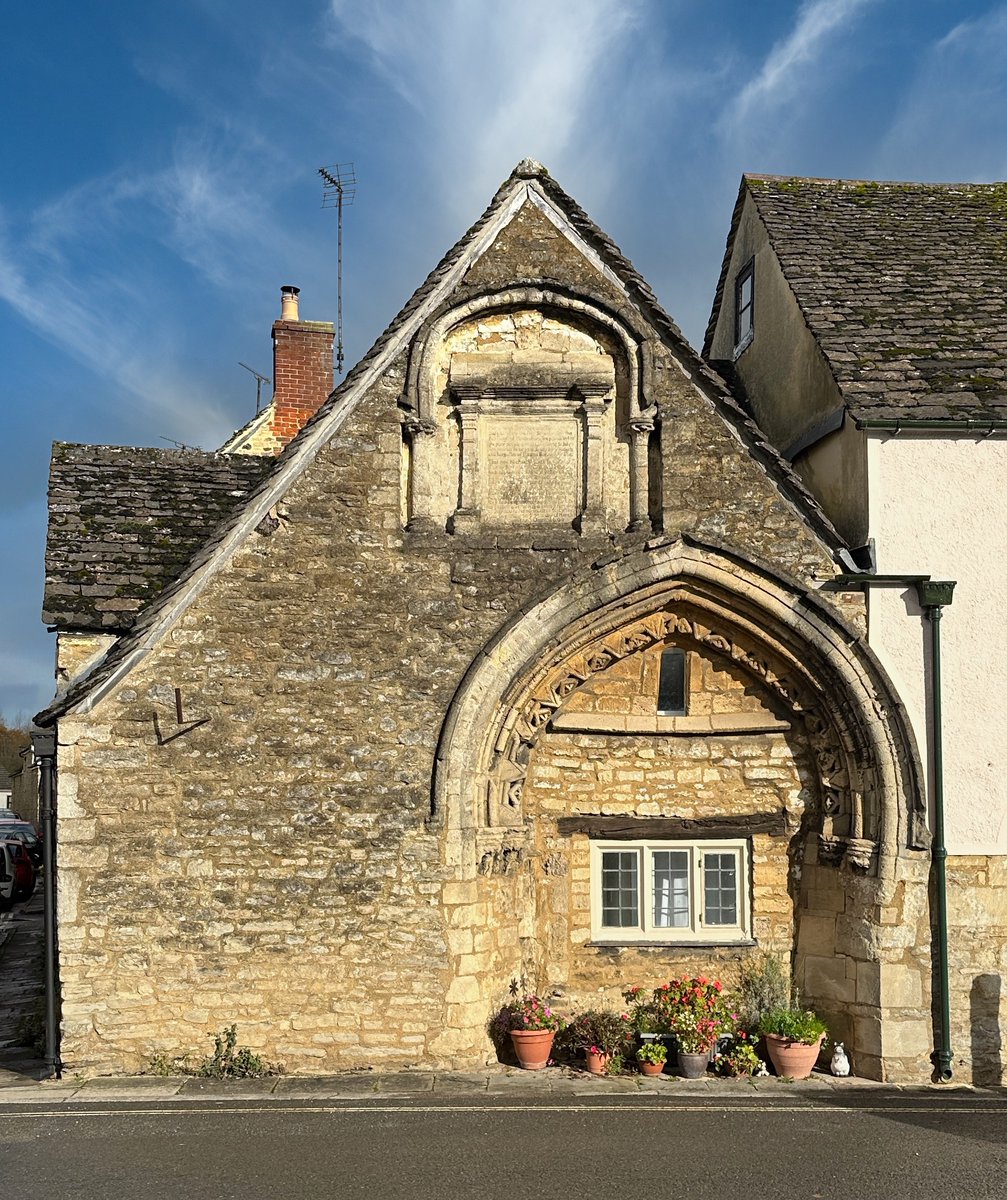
(697, 931)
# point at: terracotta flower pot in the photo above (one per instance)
(693, 1066)
(597, 1064)
(532, 1047)
(795, 1060)
(649, 1068)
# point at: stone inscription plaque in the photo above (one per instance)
(530, 469)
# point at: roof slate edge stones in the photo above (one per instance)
(527, 178)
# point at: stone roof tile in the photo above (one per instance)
(904, 287)
(124, 522)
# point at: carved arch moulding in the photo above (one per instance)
(865, 761)
(510, 435)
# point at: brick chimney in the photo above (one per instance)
(302, 367)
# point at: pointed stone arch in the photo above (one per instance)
(790, 640)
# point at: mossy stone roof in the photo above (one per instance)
(124, 521)
(904, 286)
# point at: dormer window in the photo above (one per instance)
(672, 698)
(744, 307)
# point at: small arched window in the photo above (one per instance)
(672, 696)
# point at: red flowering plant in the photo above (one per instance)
(694, 1010)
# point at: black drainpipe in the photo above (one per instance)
(44, 745)
(933, 596)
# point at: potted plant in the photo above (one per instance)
(651, 1057)
(794, 1038)
(532, 1025)
(740, 1057)
(695, 1011)
(602, 1035)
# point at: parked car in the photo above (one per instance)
(8, 814)
(23, 832)
(22, 869)
(6, 877)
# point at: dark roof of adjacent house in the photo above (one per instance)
(903, 285)
(124, 521)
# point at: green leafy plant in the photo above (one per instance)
(599, 1031)
(228, 1061)
(616, 1064)
(740, 1057)
(652, 1052)
(165, 1065)
(764, 987)
(231, 1061)
(643, 1015)
(794, 1024)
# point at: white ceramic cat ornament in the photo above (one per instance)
(840, 1060)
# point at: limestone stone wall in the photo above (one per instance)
(729, 773)
(271, 860)
(76, 651)
(977, 922)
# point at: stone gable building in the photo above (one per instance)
(531, 656)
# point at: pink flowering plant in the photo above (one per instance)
(694, 1010)
(530, 1012)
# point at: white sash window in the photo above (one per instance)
(668, 892)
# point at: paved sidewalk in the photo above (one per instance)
(21, 1071)
(21, 984)
(555, 1085)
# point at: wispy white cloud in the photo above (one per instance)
(787, 69)
(91, 319)
(91, 271)
(949, 122)
(491, 85)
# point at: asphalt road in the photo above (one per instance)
(885, 1145)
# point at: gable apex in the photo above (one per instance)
(528, 185)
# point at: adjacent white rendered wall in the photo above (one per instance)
(938, 507)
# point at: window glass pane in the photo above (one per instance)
(720, 889)
(671, 687)
(744, 306)
(671, 889)
(620, 889)
(745, 292)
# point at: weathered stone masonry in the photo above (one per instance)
(317, 850)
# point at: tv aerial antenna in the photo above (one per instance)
(259, 381)
(339, 187)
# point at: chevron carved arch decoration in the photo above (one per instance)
(841, 817)
(816, 669)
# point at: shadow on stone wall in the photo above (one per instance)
(984, 1022)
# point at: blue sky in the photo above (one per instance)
(159, 179)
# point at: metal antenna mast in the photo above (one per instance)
(339, 186)
(259, 381)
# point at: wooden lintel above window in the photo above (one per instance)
(658, 828)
